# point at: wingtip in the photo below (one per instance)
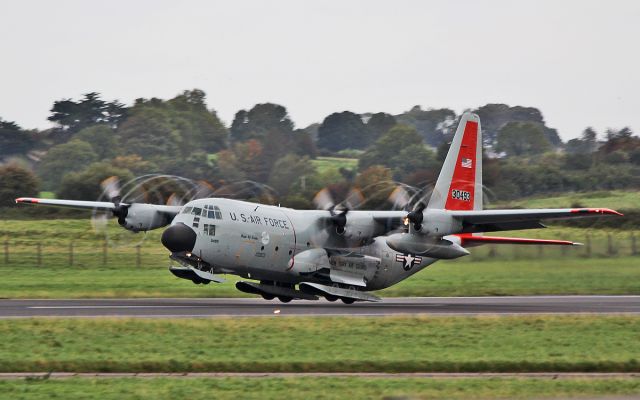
(610, 211)
(603, 211)
(26, 200)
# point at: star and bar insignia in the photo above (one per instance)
(408, 261)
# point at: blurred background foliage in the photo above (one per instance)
(93, 138)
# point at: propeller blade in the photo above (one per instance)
(111, 187)
(175, 200)
(354, 199)
(399, 197)
(204, 189)
(323, 200)
(99, 222)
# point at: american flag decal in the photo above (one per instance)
(466, 163)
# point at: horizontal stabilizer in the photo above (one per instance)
(467, 240)
(508, 220)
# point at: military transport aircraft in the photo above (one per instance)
(336, 253)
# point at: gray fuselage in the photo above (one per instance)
(270, 243)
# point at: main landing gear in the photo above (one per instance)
(286, 292)
(284, 299)
(333, 298)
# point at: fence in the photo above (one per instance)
(94, 253)
(594, 244)
(81, 253)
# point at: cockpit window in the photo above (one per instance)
(212, 212)
(187, 210)
(196, 211)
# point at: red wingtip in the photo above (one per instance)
(26, 200)
(596, 211)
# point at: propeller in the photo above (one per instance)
(324, 201)
(400, 198)
(175, 200)
(416, 216)
(354, 199)
(339, 220)
(111, 186)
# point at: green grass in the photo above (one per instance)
(523, 277)
(615, 199)
(47, 195)
(77, 282)
(314, 388)
(445, 278)
(509, 270)
(323, 164)
(324, 344)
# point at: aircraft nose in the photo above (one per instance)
(178, 238)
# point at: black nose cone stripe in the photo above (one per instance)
(178, 238)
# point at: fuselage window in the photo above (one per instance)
(187, 210)
(209, 229)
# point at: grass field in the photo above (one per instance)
(315, 388)
(327, 344)
(616, 199)
(445, 278)
(499, 270)
(323, 164)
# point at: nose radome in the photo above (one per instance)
(178, 238)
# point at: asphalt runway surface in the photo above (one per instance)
(177, 308)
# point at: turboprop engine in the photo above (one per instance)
(140, 217)
(417, 244)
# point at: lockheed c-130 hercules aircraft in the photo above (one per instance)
(336, 253)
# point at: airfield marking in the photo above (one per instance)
(115, 306)
(247, 307)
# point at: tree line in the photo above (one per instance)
(93, 139)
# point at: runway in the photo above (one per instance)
(218, 307)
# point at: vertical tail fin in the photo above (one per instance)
(459, 185)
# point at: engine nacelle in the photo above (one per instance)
(439, 223)
(309, 261)
(417, 244)
(359, 226)
(143, 217)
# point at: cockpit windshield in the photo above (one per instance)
(213, 212)
(209, 211)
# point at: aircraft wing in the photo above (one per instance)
(389, 220)
(504, 220)
(77, 204)
(91, 205)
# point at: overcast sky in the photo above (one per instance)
(577, 61)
